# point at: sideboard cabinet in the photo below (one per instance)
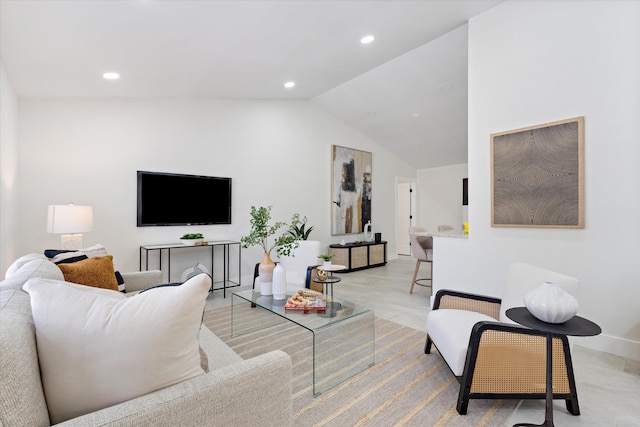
(357, 256)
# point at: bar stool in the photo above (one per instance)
(422, 251)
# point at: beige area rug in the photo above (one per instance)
(403, 387)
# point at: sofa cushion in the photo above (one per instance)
(33, 267)
(22, 401)
(98, 348)
(451, 330)
(17, 264)
(97, 272)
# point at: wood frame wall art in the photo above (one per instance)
(537, 176)
(351, 190)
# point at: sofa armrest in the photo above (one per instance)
(244, 393)
(139, 280)
(446, 298)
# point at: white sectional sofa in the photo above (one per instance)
(234, 391)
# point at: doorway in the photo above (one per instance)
(405, 213)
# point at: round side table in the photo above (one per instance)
(576, 326)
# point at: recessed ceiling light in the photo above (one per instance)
(289, 85)
(367, 39)
(111, 76)
(415, 115)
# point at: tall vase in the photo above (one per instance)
(279, 283)
(265, 271)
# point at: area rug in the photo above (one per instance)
(405, 387)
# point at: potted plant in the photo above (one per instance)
(261, 231)
(298, 229)
(327, 260)
(192, 239)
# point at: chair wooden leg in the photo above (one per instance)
(415, 274)
(572, 406)
(427, 345)
(463, 400)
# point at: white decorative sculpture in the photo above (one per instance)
(550, 303)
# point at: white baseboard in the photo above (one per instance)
(613, 345)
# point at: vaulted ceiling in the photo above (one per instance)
(407, 90)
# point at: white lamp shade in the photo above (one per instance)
(69, 219)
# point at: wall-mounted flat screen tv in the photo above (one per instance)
(178, 199)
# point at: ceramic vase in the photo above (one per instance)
(279, 287)
(326, 265)
(265, 272)
(550, 303)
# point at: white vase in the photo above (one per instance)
(279, 284)
(266, 288)
(326, 265)
(550, 303)
(265, 270)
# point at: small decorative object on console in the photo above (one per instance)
(550, 303)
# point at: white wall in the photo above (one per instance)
(87, 151)
(440, 196)
(535, 62)
(8, 168)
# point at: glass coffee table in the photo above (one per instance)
(343, 338)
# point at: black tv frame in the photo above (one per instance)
(171, 202)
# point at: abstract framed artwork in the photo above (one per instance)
(537, 176)
(351, 190)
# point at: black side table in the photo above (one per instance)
(576, 326)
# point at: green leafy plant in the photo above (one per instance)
(298, 229)
(326, 257)
(261, 231)
(192, 236)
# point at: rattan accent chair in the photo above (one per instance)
(422, 251)
(312, 273)
(491, 356)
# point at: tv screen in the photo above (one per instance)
(177, 199)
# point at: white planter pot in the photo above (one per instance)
(550, 303)
(326, 265)
(191, 242)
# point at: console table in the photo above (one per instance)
(212, 245)
(357, 256)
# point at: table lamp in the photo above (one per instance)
(70, 221)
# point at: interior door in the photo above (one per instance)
(406, 198)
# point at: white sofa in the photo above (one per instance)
(233, 391)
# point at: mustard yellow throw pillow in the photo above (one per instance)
(97, 272)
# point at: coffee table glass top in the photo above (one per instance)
(343, 335)
(337, 310)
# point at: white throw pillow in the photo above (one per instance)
(98, 348)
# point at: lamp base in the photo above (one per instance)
(71, 241)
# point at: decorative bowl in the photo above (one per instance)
(550, 303)
(322, 275)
